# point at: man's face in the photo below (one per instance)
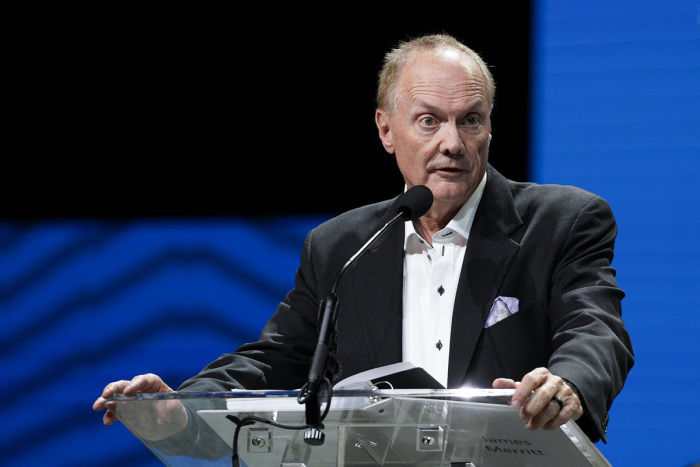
(441, 126)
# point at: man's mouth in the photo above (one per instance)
(449, 170)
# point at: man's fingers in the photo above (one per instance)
(534, 396)
(108, 418)
(108, 392)
(547, 413)
(530, 382)
(545, 417)
(146, 383)
(141, 383)
(99, 404)
(540, 400)
(136, 385)
(504, 383)
(571, 410)
(114, 388)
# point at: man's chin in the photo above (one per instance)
(451, 192)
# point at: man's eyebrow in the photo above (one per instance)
(424, 106)
(479, 104)
(421, 106)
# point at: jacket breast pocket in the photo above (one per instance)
(512, 347)
(531, 320)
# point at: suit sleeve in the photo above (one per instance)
(280, 358)
(590, 345)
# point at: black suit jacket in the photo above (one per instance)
(551, 247)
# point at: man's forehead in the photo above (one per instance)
(452, 55)
(442, 57)
(447, 71)
(474, 103)
(431, 65)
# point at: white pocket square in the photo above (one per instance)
(502, 308)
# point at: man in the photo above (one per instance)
(500, 283)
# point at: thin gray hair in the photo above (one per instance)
(395, 59)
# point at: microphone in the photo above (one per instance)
(415, 202)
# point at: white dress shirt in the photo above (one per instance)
(430, 278)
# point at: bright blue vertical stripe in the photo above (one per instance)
(616, 110)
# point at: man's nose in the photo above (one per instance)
(450, 140)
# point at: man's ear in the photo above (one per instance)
(382, 118)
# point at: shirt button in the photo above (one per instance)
(441, 290)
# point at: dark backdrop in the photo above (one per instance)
(211, 110)
(134, 112)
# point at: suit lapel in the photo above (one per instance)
(373, 292)
(376, 288)
(486, 261)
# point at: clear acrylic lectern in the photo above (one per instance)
(363, 427)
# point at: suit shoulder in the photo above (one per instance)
(528, 195)
(357, 224)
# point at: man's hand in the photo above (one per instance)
(152, 420)
(534, 396)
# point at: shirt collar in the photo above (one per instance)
(460, 224)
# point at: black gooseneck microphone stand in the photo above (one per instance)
(414, 203)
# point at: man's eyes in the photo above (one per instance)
(469, 120)
(472, 120)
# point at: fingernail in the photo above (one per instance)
(515, 403)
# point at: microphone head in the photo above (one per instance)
(415, 202)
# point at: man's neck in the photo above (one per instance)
(442, 212)
(434, 221)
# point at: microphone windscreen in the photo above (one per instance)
(415, 202)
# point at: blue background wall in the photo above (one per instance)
(614, 109)
(87, 302)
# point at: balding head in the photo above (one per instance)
(447, 47)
